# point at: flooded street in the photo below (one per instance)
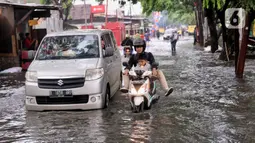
(208, 105)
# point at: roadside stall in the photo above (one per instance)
(19, 19)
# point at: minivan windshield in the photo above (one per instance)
(69, 47)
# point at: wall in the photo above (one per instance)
(7, 38)
(25, 1)
(8, 62)
(6, 30)
(52, 24)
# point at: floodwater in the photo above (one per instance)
(208, 105)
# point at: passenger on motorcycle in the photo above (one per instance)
(127, 42)
(140, 46)
(127, 53)
(143, 64)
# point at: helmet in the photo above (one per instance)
(139, 42)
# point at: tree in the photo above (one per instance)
(179, 11)
(65, 4)
(215, 9)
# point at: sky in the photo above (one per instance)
(113, 5)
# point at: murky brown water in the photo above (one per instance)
(208, 105)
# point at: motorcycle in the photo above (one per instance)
(142, 90)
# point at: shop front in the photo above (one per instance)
(15, 21)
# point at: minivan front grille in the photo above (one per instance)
(78, 99)
(61, 83)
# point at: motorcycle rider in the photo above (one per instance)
(140, 46)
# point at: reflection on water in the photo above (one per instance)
(65, 126)
(141, 128)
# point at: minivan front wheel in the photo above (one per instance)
(107, 98)
(120, 80)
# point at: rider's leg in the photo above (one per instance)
(126, 84)
(175, 45)
(172, 46)
(163, 83)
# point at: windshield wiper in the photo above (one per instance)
(50, 58)
(87, 56)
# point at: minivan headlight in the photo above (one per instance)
(31, 76)
(93, 74)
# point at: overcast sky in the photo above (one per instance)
(113, 5)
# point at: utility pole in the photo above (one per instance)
(243, 49)
(85, 16)
(131, 29)
(106, 13)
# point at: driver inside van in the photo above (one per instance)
(65, 51)
(102, 43)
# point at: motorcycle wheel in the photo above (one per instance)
(138, 108)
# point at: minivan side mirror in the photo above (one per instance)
(108, 52)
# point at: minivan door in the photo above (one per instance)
(109, 61)
(117, 57)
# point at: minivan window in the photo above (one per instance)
(108, 40)
(114, 41)
(69, 47)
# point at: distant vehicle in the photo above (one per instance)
(191, 29)
(168, 33)
(179, 32)
(74, 70)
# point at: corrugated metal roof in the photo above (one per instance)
(78, 32)
(30, 5)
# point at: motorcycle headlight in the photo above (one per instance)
(31, 76)
(93, 74)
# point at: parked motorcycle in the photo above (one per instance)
(142, 90)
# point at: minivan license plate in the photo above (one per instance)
(61, 93)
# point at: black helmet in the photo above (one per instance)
(139, 42)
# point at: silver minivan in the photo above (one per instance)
(71, 70)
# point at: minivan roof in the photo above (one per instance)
(79, 32)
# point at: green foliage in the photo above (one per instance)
(248, 5)
(66, 5)
(179, 17)
(46, 1)
(179, 11)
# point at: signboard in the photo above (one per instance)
(156, 16)
(99, 14)
(120, 13)
(32, 22)
(98, 9)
